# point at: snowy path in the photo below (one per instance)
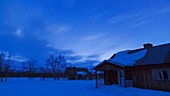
(69, 88)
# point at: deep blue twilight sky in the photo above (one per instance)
(85, 31)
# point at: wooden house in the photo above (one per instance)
(75, 73)
(147, 67)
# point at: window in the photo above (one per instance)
(161, 74)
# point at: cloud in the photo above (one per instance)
(93, 37)
(130, 19)
(123, 18)
(98, 44)
(29, 48)
(32, 47)
(57, 29)
(40, 36)
(18, 58)
(136, 19)
(43, 34)
(74, 57)
(93, 56)
(163, 10)
(56, 52)
(85, 47)
(140, 23)
(86, 64)
(51, 32)
(14, 57)
(83, 61)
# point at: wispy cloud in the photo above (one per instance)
(18, 58)
(123, 18)
(139, 23)
(93, 37)
(130, 19)
(53, 33)
(57, 29)
(84, 47)
(163, 10)
(135, 19)
(14, 57)
(83, 61)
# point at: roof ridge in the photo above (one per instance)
(162, 45)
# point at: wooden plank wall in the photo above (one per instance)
(144, 79)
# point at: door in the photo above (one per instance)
(111, 77)
(121, 78)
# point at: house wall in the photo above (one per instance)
(128, 74)
(110, 73)
(144, 78)
(107, 67)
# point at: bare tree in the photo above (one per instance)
(7, 66)
(57, 65)
(42, 73)
(29, 65)
(47, 69)
(2, 60)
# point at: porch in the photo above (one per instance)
(112, 74)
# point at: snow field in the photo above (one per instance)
(36, 87)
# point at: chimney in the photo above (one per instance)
(74, 66)
(147, 45)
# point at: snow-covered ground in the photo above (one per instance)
(24, 87)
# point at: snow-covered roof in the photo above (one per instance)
(76, 70)
(157, 55)
(144, 56)
(82, 73)
(127, 59)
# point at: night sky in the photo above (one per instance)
(84, 31)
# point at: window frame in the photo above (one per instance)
(159, 75)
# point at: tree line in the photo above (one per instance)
(55, 66)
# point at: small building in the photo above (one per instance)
(147, 67)
(74, 73)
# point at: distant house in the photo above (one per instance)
(147, 67)
(74, 73)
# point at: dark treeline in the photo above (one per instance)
(54, 68)
(42, 76)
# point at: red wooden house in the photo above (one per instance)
(147, 67)
(75, 73)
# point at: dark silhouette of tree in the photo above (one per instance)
(42, 73)
(29, 65)
(2, 61)
(7, 66)
(57, 65)
(47, 70)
